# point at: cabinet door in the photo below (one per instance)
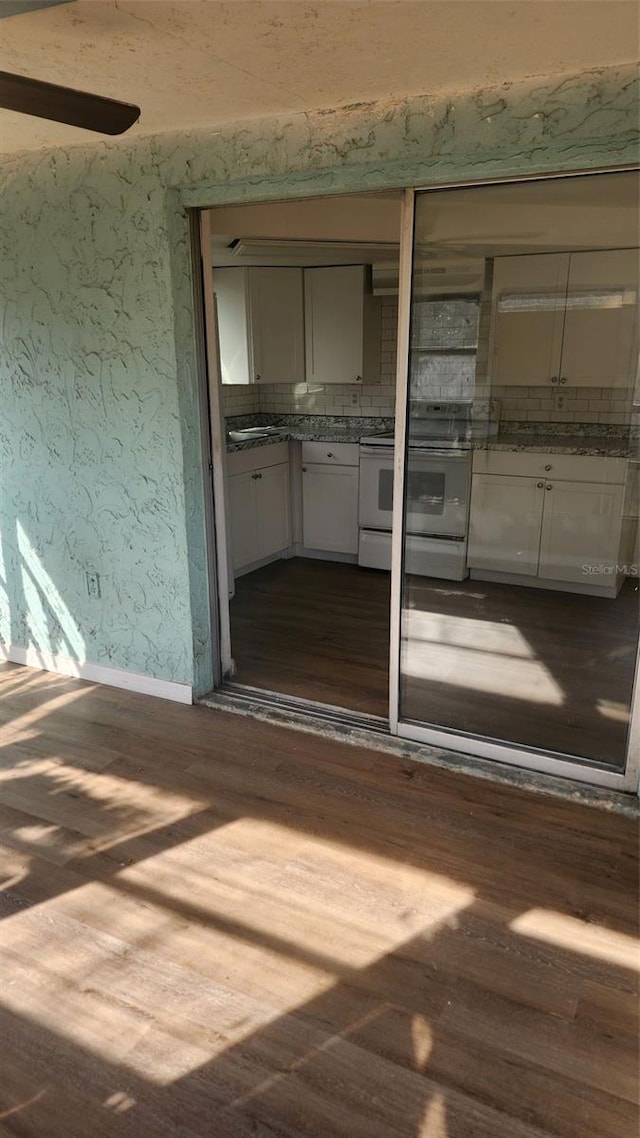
(230, 287)
(277, 325)
(242, 519)
(272, 499)
(330, 508)
(334, 311)
(527, 318)
(505, 523)
(600, 344)
(581, 527)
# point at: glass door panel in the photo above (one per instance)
(517, 601)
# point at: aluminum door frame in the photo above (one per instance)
(579, 769)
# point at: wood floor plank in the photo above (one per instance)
(212, 927)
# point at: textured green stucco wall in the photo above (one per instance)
(99, 434)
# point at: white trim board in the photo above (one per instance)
(97, 673)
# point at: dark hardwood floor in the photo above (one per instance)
(550, 670)
(315, 629)
(213, 927)
(546, 669)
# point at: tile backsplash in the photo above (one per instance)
(529, 404)
(241, 400)
(572, 405)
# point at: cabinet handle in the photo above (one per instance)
(539, 485)
(304, 470)
(563, 379)
(329, 454)
(258, 476)
(549, 486)
(257, 378)
(358, 379)
(554, 379)
(548, 466)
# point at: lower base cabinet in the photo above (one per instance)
(550, 527)
(259, 514)
(330, 507)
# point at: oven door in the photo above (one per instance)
(436, 486)
(375, 508)
(437, 492)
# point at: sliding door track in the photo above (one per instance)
(244, 697)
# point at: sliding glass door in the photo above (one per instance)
(516, 611)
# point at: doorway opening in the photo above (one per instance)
(426, 413)
(305, 298)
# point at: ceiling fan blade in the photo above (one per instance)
(20, 7)
(62, 104)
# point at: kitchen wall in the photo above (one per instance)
(100, 444)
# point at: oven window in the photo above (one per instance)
(385, 490)
(425, 492)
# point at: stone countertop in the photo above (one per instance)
(603, 443)
(603, 446)
(335, 434)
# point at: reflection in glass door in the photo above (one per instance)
(517, 601)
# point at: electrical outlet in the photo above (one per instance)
(355, 398)
(93, 584)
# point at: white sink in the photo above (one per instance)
(248, 433)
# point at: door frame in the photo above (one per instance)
(578, 769)
(468, 745)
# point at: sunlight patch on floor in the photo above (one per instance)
(482, 656)
(113, 807)
(188, 953)
(610, 709)
(566, 932)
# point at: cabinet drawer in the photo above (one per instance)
(342, 454)
(535, 464)
(257, 458)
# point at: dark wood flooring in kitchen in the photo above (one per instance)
(315, 629)
(216, 927)
(550, 670)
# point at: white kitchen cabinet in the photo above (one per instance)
(330, 507)
(272, 508)
(581, 528)
(600, 338)
(342, 325)
(543, 526)
(242, 519)
(565, 319)
(527, 318)
(505, 523)
(259, 511)
(260, 324)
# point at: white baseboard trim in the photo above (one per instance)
(97, 673)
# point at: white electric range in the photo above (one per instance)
(437, 489)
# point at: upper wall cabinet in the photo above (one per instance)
(260, 324)
(342, 325)
(600, 339)
(565, 319)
